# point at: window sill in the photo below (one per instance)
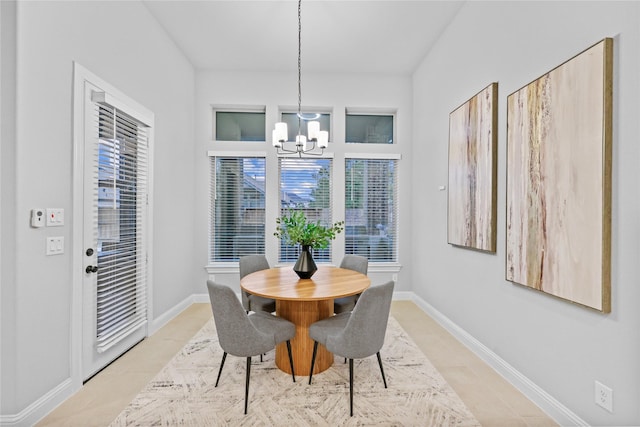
(233, 268)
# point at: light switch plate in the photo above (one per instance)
(55, 245)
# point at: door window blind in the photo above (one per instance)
(371, 208)
(122, 182)
(305, 184)
(237, 208)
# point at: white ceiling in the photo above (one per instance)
(337, 36)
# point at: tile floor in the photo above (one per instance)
(493, 401)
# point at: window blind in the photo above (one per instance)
(305, 184)
(122, 164)
(237, 217)
(371, 208)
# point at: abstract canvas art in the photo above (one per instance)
(558, 237)
(471, 219)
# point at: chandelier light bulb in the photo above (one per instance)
(275, 139)
(323, 139)
(313, 129)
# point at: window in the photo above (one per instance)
(305, 184)
(291, 119)
(122, 182)
(371, 208)
(237, 208)
(369, 128)
(240, 126)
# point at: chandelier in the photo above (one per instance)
(315, 138)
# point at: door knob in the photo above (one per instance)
(91, 269)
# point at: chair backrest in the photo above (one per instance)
(355, 262)
(250, 264)
(364, 333)
(236, 333)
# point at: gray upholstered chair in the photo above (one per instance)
(250, 264)
(357, 334)
(246, 335)
(352, 262)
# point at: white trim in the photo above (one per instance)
(238, 108)
(383, 156)
(131, 108)
(233, 268)
(204, 298)
(167, 316)
(325, 155)
(212, 153)
(551, 406)
(41, 407)
(371, 111)
(223, 268)
(384, 267)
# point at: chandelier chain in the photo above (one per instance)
(299, 65)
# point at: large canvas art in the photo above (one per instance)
(558, 236)
(471, 218)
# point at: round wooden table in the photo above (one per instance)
(304, 301)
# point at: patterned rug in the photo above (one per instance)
(183, 393)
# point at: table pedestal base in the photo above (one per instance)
(303, 314)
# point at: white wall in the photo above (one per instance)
(559, 346)
(122, 44)
(7, 201)
(335, 91)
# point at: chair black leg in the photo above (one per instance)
(224, 356)
(313, 359)
(351, 386)
(260, 357)
(246, 388)
(381, 370)
(293, 374)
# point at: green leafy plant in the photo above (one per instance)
(295, 229)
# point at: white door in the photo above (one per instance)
(114, 291)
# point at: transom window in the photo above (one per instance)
(240, 125)
(369, 128)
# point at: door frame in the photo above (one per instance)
(80, 76)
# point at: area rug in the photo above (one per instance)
(183, 393)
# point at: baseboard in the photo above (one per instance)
(552, 407)
(157, 323)
(40, 408)
(203, 298)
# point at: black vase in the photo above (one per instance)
(305, 266)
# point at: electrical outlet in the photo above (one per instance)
(604, 396)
